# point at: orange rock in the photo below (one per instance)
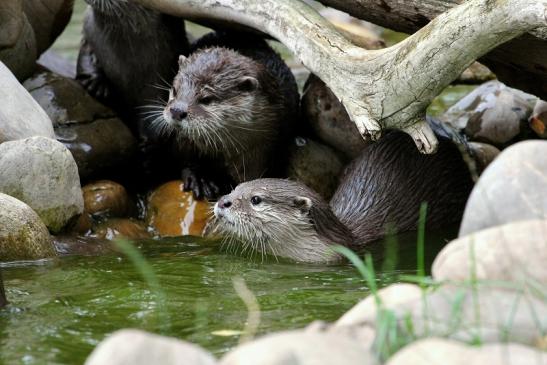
(173, 212)
(120, 228)
(107, 198)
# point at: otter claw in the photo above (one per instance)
(200, 187)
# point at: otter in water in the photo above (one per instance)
(385, 185)
(127, 53)
(233, 103)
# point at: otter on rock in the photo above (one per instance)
(233, 103)
(386, 184)
(127, 53)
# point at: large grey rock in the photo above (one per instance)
(301, 347)
(510, 252)
(329, 120)
(97, 139)
(135, 347)
(23, 236)
(465, 313)
(20, 115)
(441, 351)
(513, 188)
(42, 173)
(316, 165)
(492, 113)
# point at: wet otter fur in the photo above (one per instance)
(234, 104)
(127, 53)
(385, 185)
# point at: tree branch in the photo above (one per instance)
(380, 89)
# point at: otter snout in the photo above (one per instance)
(222, 204)
(178, 112)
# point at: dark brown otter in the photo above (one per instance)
(128, 52)
(385, 185)
(233, 103)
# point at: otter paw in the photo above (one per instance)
(96, 86)
(200, 186)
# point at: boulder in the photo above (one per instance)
(466, 312)
(513, 188)
(23, 236)
(42, 173)
(510, 252)
(329, 120)
(492, 113)
(20, 115)
(105, 198)
(301, 347)
(173, 212)
(135, 347)
(316, 165)
(441, 351)
(97, 139)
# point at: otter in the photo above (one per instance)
(127, 54)
(385, 184)
(232, 108)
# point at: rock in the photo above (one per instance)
(105, 198)
(20, 58)
(42, 173)
(440, 351)
(468, 312)
(48, 20)
(538, 119)
(11, 22)
(511, 189)
(316, 165)
(23, 236)
(174, 212)
(391, 297)
(135, 347)
(57, 64)
(483, 154)
(477, 73)
(511, 252)
(492, 113)
(114, 228)
(329, 120)
(301, 348)
(97, 139)
(20, 115)
(82, 246)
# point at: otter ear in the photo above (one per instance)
(303, 204)
(247, 83)
(182, 60)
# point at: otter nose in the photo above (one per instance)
(178, 113)
(224, 202)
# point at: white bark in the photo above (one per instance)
(380, 89)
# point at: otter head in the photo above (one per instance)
(215, 98)
(282, 218)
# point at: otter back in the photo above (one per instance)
(389, 181)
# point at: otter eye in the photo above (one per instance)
(255, 200)
(206, 100)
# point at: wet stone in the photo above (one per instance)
(107, 198)
(173, 212)
(115, 228)
(97, 139)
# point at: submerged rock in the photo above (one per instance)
(115, 228)
(329, 120)
(105, 198)
(174, 212)
(135, 347)
(513, 188)
(492, 113)
(97, 139)
(441, 351)
(510, 252)
(42, 173)
(20, 115)
(23, 236)
(316, 165)
(301, 348)
(82, 246)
